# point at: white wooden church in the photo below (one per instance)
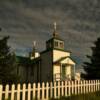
(52, 64)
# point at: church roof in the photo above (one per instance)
(58, 38)
(26, 60)
(62, 59)
(23, 60)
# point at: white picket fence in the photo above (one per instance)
(47, 90)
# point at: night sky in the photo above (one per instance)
(25, 21)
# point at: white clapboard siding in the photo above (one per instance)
(44, 91)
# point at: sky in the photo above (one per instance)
(25, 21)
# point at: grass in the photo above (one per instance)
(89, 96)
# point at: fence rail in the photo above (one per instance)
(47, 90)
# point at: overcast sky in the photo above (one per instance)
(78, 23)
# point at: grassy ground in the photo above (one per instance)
(89, 96)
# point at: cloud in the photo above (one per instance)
(29, 20)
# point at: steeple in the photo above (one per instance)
(55, 30)
(32, 54)
(55, 42)
(33, 51)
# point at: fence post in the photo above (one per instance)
(29, 91)
(47, 90)
(1, 92)
(12, 92)
(51, 92)
(38, 91)
(18, 92)
(34, 91)
(23, 91)
(6, 91)
(43, 91)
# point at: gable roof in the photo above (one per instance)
(64, 58)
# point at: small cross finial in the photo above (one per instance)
(55, 28)
(34, 43)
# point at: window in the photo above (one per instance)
(63, 71)
(56, 44)
(61, 45)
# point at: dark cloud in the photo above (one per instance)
(29, 20)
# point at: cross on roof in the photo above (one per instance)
(55, 28)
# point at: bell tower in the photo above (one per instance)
(55, 42)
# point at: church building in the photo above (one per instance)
(52, 64)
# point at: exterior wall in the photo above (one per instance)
(77, 76)
(29, 73)
(57, 54)
(22, 72)
(46, 66)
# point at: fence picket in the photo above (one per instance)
(56, 89)
(47, 89)
(66, 88)
(81, 87)
(51, 90)
(18, 92)
(1, 92)
(24, 92)
(69, 86)
(84, 87)
(94, 82)
(78, 87)
(29, 91)
(75, 85)
(43, 91)
(72, 88)
(38, 91)
(96, 85)
(34, 91)
(12, 92)
(6, 91)
(62, 88)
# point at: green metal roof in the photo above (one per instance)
(26, 60)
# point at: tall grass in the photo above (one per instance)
(89, 96)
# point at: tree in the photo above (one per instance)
(8, 65)
(92, 68)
